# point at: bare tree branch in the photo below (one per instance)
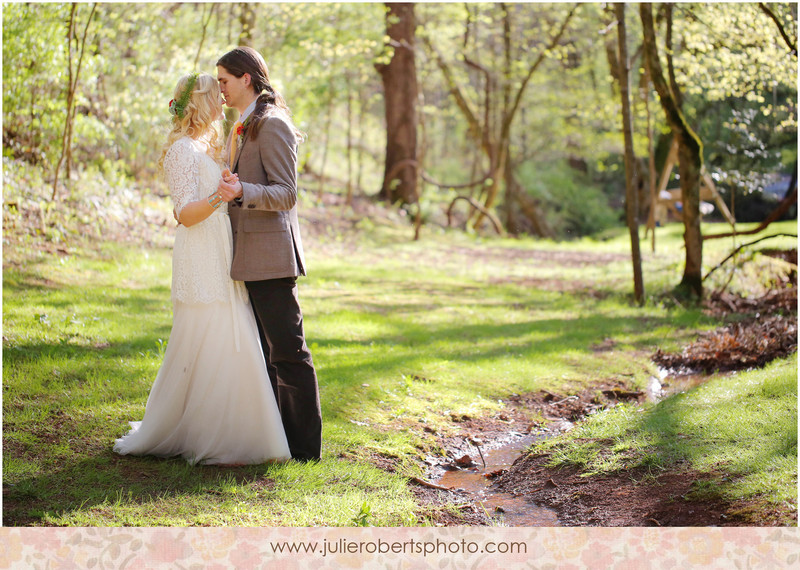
(467, 25)
(411, 163)
(461, 100)
(206, 22)
(487, 106)
(791, 44)
(486, 212)
(553, 42)
(782, 208)
(477, 182)
(741, 247)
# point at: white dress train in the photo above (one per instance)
(212, 401)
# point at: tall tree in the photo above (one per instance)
(631, 193)
(74, 70)
(400, 94)
(206, 20)
(690, 151)
(247, 19)
(491, 123)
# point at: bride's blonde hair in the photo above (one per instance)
(200, 116)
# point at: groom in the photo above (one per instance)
(261, 189)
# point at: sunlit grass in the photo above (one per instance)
(402, 333)
(321, 494)
(739, 430)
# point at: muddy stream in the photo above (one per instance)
(477, 481)
(474, 472)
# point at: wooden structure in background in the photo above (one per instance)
(667, 199)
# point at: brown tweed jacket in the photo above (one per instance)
(266, 232)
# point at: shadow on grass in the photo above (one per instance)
(538, 339)
(112, 480)
(736, 442)
(32, 352)
(102, 301)
(731, 429)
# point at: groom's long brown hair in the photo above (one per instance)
(243, 60)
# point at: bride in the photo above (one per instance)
(212, 401)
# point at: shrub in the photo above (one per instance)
(572, 205)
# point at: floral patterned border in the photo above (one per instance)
(454, 547)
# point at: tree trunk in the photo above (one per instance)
(247, 19)
(530, 209)
(348, 201)
(70, 94)
(690, 156)
(495, 137)
(511, 202)
(359, 155)
(206, 21)
(498, 158)
(651, 164)
(498, 144)
(67, 150)
(631, 193)
(673, 83)
(611, 47)
(66, 142)
(327, 131)
(511, 188)
(400, 94)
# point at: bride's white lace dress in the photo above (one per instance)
(212, 401)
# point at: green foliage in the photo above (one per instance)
(322, 57)
(740, 83)
(576, 206)
(362, 518)
(102, 205)
(734, 50)
(34, 38)
(736, 73)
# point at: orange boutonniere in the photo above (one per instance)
(239, 130)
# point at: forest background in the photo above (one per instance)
(517, 108)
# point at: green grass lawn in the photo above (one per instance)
(402, 333)
(739, 431)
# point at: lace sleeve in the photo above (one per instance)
(181, 173)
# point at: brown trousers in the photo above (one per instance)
(291, 370)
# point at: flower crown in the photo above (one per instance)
(178, 107)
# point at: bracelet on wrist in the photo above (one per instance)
(215, 200)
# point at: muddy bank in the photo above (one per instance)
(487, 450)
(627, 498)
(526, 492)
